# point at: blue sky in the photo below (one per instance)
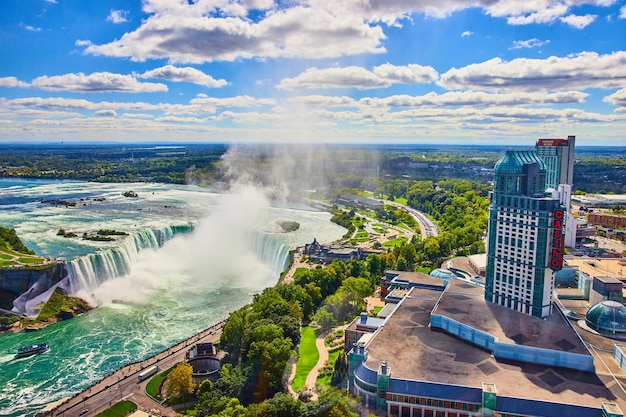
(355, 71)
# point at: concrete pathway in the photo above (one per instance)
(311, 378)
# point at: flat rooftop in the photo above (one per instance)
(415, 278)
(615, 267)
(414, 351)
(465, 303)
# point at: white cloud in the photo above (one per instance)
(466, 34)
(622, 12)
(186, 74)
(530, 43)
(579, 22)
(358, 77)
(117, 16)
(81, 42)
(12, 82)
(105, 113)
(451, 99)
(618, 99)
(30, 28)
(96, 82)
(581, 71)
(181, 36)
(219, 30)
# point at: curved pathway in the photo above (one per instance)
(311, 378)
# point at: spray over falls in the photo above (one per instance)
(171, 282)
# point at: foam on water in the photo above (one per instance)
(165, 292)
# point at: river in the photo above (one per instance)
(192, 256)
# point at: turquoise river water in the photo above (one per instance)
(192, 256)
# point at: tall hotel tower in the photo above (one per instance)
(525, 235)
(559, 157)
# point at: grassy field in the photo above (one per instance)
(155, 383)
(361, 236)
(424, 270)
(120, 409)
(400, 200)
(9, 257)
(324, 380)
(307, 357)
(395, 242)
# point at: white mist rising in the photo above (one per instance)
(216, 254)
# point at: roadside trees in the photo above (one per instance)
(179, 381)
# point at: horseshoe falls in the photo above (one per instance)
(191, 257)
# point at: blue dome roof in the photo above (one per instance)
(442, 273)
(607, 317)
(513, 161)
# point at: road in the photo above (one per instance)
(427, 227)
(124, 384)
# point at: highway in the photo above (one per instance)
(124, 383)
(427, 227)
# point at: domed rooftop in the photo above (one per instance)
(513, 162)
(607, 317)
(442, 273)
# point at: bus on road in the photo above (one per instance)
(148, 372)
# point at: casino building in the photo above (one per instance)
(461, 350)
(525, 235)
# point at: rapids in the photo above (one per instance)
(190, 258)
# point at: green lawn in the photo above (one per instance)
(120, 409)
(307, 357)
(324, 380)
(377, 309)
(155, 383)
(400, 200)
(7, 255)
(395, 242)
(298, 272)
(361, 236)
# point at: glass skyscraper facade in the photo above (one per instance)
(524, 247)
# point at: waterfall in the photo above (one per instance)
(89, 271)
(271, 250)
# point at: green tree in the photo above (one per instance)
(268, 354)
(233, 409)
(324, 319)
(233, 332)
(356, 289)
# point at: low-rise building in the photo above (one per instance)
(363, 324)
(357, 201)
(451, 353)
(617, 221)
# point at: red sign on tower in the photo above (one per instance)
(558, 241)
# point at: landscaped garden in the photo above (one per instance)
(307, 357)
(121, 409)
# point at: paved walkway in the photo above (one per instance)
(124, 384)
(311, 378)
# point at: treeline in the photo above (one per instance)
(325, 169)
(10, 240)
(196, 164)
(459, 207)
(261, 337)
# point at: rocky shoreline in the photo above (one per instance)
(60, 307)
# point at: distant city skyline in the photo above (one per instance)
(395, 71)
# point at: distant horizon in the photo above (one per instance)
(309, 71)
(174, 145)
